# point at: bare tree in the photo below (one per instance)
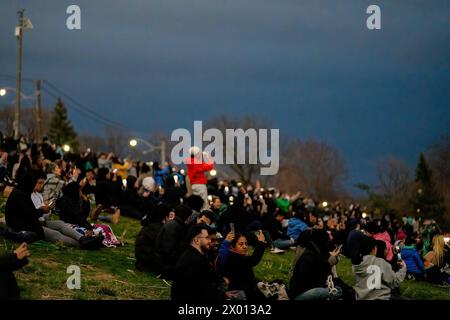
(28, 122)
(313, 167)
(117, 141)
(393, 174)
(93, 142)
(439, 159)
(244, 172)
(395, 184)
(7, 119)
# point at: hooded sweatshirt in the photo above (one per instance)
(364, 277)
(20, 213)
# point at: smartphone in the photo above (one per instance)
(232, 227)
(399, 257)
(175, 178)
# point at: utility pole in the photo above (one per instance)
(38, 112)
(16, 124)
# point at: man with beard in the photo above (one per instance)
(194, 279)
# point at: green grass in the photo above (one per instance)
(110, 273)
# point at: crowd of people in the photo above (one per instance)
(196, 232)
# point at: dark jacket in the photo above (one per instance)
(108, 193)
(20, 213)
(170, 244)
(352, 245)
(194, 279)
(239, 270)
(8, 284)
(172, 193)
(71, 208)
(310, 271)
(145, 248)
(132, 205)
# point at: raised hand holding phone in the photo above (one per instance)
(261, 236)
(232, 227)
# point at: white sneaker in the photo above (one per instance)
(277, 251)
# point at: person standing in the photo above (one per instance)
(197, 165)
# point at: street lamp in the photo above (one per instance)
(133, 142)
(4, 91)
(151, 147)
(37, 98)
(66, 148)
(324, 204)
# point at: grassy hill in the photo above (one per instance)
(110, 273)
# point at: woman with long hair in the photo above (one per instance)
(238, 267)
(436, 259)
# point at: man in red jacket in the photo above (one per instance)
(196, 169)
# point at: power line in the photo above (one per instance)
(85, 108)
(80, 111)
(8, 76)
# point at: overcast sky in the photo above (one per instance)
(311, 67)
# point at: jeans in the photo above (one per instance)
(59, 231)
(283, 244)
(320, 294)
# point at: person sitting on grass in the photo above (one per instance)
(131, 203)
(9, 263)
(22, 215)
(414, 264)
(73, 208)
(169, 244)
(313, 268)
(295, 227)
(146, 239)
(238, 268)
(375, 278)
(194, 277)
(107, 195)
(54, 182)
(436, 260)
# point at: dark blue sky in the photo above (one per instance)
(311, 67)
